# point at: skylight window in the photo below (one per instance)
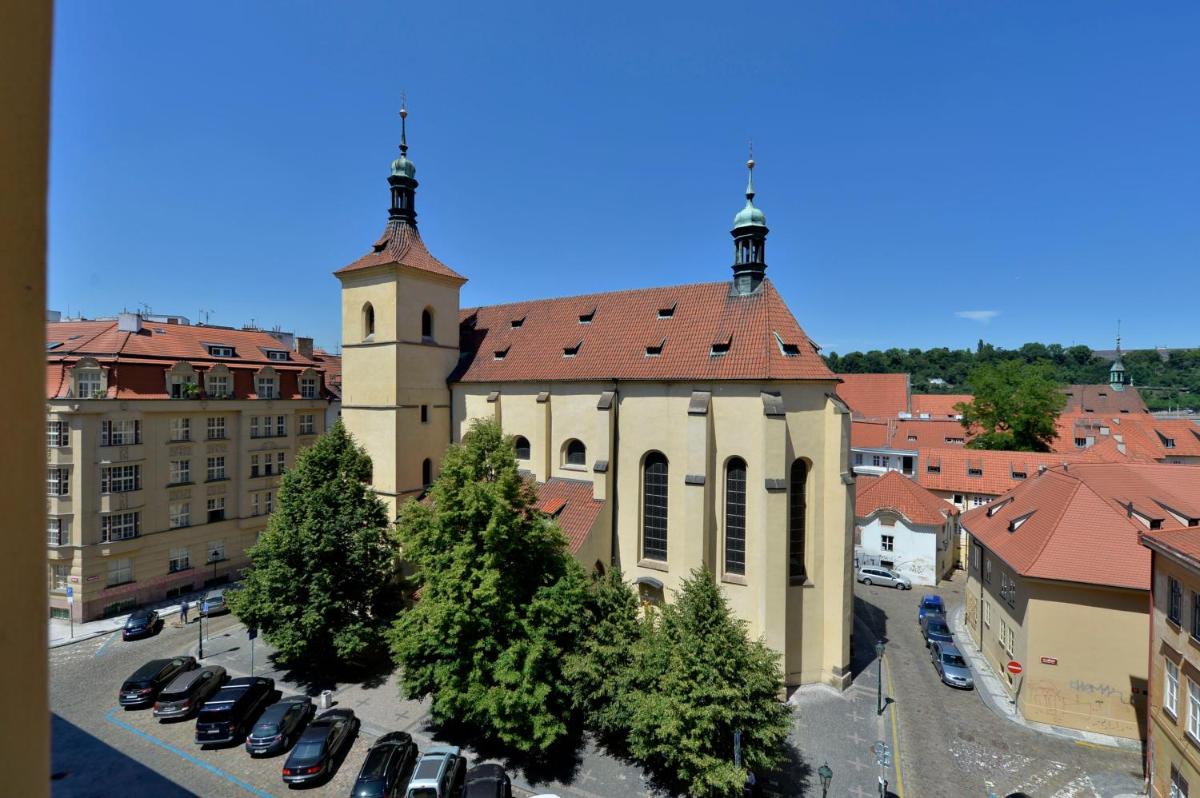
(1168, 443)
(720, 348)
(572, 351)
(1020, 474)
(53, 345)
(787, 350)
(500, 354)
(654, 350)
(667, 313)
(516, 323)
(1015, 524)
(586, 318)
(933, 469)
(974, 472)
(220, 351)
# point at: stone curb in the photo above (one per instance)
(81, 637)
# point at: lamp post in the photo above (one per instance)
(825, 773)
(200, 630)
(879, 691)
(214, 557)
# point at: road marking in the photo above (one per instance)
(111, 637)
(216, 771)
(895, 737)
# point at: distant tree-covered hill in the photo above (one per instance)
(1166, 381)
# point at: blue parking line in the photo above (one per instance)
(113, 636)
(216, 771)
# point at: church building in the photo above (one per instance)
(667, 428)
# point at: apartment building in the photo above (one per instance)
(165, 443)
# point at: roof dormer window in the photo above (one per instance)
(974, 472)
(1168, 443)
(500, 354)
(1015, 524)
(572, 351)
(1019, 474)
(667, 313)
(276, 354)
(216, 350)
(516, 323)
(586, 318)
(654, 350)
(720, 348)
(787, 350)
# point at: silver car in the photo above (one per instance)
(951, 667)
(875, 575)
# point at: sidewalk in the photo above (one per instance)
(62, 633)
(995, 696)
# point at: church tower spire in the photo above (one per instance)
(403, 179)
(749, 240)
(1116, 373)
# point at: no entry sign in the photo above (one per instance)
(1014, 667)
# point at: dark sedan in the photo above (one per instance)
(936, 630)
(226, 716)
(144, 685)
(315, 754)
(188, 691)
(141, 623)
(387, 767)
(279, 726)
(487, 781)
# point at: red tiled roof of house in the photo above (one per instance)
(332, 364)
(1081, 523)
(570, 503)
(938, 404)
(921, 433)
(870, 434)
(644, 334)
(898, 493)
(875, 395)
(401, 243)
(1141, 436)
(1103, 399)
(954, 464)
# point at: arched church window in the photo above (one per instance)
(797, 513)
(521, 444)
(368, 321)
(427, 324)
(576, 453)
(654, 507)
(735, 516)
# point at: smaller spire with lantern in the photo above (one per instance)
(403, 178)
(1117, 378)
(749, 239)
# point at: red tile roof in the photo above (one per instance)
(1103, 399)
(938, 404)
(570, 503)
(614, 330)
(401, 243)
(870, 434)
(332, 365)
(1141, 435)
(899, 433)
(898, 493)
(1080, 522)
(954, 463)
(875, 395)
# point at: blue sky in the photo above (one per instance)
(932, 173)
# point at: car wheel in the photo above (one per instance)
(866, 581)
(899, 585)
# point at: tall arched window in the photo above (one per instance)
(427, 473)
(797, 513)
(575, 453)
(654, 507)
(368, 321)
(427, 324)
(521, 444)
(735, 516)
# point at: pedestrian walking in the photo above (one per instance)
(183, 611)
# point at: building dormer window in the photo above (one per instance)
(181, 382)
(1019, 475)
(572, 351)
(516, 323)
(586, 318)
(785, 349)
(277, 355)
(218, 382)
(974, 472)
(933, 469)
(266, 383)
(667, 313)
(654, 350)
(310, 385)
(500, 354)
(1168, 443)
(217, 350)
(88, 379)
(720, 348)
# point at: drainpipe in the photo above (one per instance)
(614, 472)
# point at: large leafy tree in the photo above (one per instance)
(700, 679)
(501, 601)
(323, 585)
(1015, 407)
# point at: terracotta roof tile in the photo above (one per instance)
(952, 464)
(1141, 436)
(938, 404)
(401, 243)
(898, 493)
(1103, 399)
(870, 434)
(875, 395)
(570, 502)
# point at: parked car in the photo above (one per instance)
(936, 630)
(951, 667)
(188, 691)
(874, 575)
(487, 781)
(144, 685)
(213, 603)
(439, 774)
(930, 603)
(387, 767)
(315, 755)
(229, 714)
(141, 623)
(279, 726)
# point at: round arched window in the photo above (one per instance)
(368, 321)
(427, 324)
(521, 444)
(576, 453)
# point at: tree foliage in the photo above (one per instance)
(697, 680)
(322, 587)
(501, 601)
(1014, 407)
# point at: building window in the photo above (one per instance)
(279, 462)
(58, 481)
(60, 576)
(1175, 600)
(277, 355)
(368, 322)
(268, 502)
(253, 466)
(88, 384)
(216, 509)
(426, 473)
(1196, 616)
(879, 460)
(307, 427)
(308, 387)
(179, 561)
(887, 542)
(120, 571)
(987, 615)
(280, 426)
(1193, 719)
(181, 429)
(216, 385)
(1171, 688)
(266, 386)
(119, 526)
(576, 453)
(1179, 785)
(987, 569)
(1081, 443)
(975, 556)
(521, 444)
(120, 433)
(220, 351)
(1008, 589)
(120, 479)
(797, 520)
(216, 468)
(654, 507)
(56, 532)
(424, 414)
(978, 501)
(179, 386)
(58, 433)
(216, 428)
(427, 324)
(1007, 637)
(735, 516)
(181, 515)
(858, 458)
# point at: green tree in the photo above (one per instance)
(323, 585)
(501, 600)
(699, 680)
(1014, 407)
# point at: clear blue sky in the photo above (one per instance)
(1036, 161)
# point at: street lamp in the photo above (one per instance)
(825, 773)
(200, 629)
(214, 557)
(879, 691)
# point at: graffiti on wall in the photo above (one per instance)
(1078, 703)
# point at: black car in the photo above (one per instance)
(141, 688)
(141, 623)
(387, 767)
(226, 716)
(279, 726)
(188, 691)
(314, 755)
(487, 781)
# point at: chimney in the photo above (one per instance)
(129, 322)
(304, 346)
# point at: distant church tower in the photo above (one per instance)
(749, 241)
(399, 344)
(1117, 379)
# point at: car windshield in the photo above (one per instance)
(264, 729)
(938, 628)
(307, 750)
(954, 660)
(376, 764)
(932, 603)
(217, 714)
(422, 792)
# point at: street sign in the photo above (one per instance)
(1049, 660)
(1015, 668)
(70, 595)
(251, 633)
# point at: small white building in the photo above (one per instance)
(902, 526)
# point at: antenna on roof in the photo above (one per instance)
(403, 123)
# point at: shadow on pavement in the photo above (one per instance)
(870, 625)
(82, 765)
(369, 673)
